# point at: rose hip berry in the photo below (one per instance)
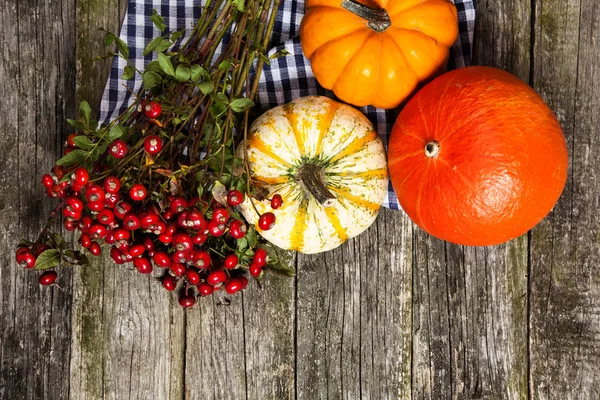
(276, 201)
(143, 265)
(48, 181)
(266, 221)
(260, 256)
(131, 221)
(25, 258)
(255, 270)
(94, 192)
(205, 289)
(95, 249)
(192, 276)
(118, 148)
(48, 278)
(220, 215)
(137, 250)
(201, 259)
(178, 269)
(187, 301)
(137, 192)
(233, 286)
(216, 277)
(237, 229)
(162, 259)
(231, 261)
(152, 109)
(80, 176)
(112, 184)
(169, 282)
(235, 197)
(216, 228)
(153, 144)
(85, 240)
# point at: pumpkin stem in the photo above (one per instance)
(432, 149)
(378, 18)
(313, 178)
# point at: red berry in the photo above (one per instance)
(112, 184)
(162, 259)
(260, 256)
(153, 144)
(71, 215)
(168, 215)
(97, 231)
(237, 229)
(178, 269)
(182, 242)
(106, 217)
(131, 221)
(187, 301)
(47, 181)
(143, 265)
(117, 255)
(216, 277)
(178, 204)
(231, 261)
(94, 192)
(216, 228)
(85, 240)
(72, 203)
(152, 109)
(244, 281)
(180, 257)
(233, 286)
(148, 243)
(48, 278)
(276, 201)
(171, 229)
(220, 215)
(158, 228)
(199, 238)
(80, 176)
(137, 192)
(234, 197)
(192, 276)
(169, 282)
(266, 221)
(255, 270)
(95, 249)
(205, 289)
(58, 171)
(164, 238)
(201, 259)
(70, 141)
(40, 248)
(121, 235)
(69, 225)
(118, 148)
(121, 209)
(196, 221)
(148, 219)
(111, 199)
(182, 219)
(85, 223)
(137, 250)
(25, 258)
(96, 206)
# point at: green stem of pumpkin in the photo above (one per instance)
(313, 178)
(378, 18)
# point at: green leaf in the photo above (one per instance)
(76, 124)
(83, 142)
(164, 45)
(150, 47)
(116, 132)
(217, 109)
(75, 157)
(238, 4)
(122, 47)
(197, 72)
(242, 244)
(47, 260)
(206, 87)
(279, 53)
(153, 66)
(251, 236)
(175, 36)
(98, 151)
(110, 38)
(86, 111)
(151, 79)
(128, 72)
(241, 104)
(166, 64)
(183, 73)
(158, 20)
(224, 65)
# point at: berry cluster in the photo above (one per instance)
(196, 241)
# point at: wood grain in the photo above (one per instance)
(36, 82)
(565, 295)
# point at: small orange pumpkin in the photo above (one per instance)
(476, 157)
(376, 53)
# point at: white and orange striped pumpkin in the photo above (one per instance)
(328, 164)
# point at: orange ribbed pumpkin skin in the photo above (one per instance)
(502, 161)
(365, 67)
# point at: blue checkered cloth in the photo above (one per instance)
(287, 78)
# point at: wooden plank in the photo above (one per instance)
(565, 249)
(353, 316)
(470, 304)
(128, 333)
(35, 83)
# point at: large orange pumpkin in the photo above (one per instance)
(376, 53)
(477, 158)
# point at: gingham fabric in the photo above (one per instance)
(287, 77)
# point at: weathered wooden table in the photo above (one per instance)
(392, 314)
